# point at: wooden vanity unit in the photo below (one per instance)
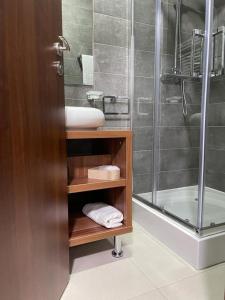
(87, 149)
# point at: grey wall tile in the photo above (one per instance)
(216, 114)
(191, 19)
(111, 59)
(142, 162)
(73, 79)
(115, 124)
(76, 92)
(193, 92)
(77, 103)
(142, 183)
(143, 88)
(116, 8)
(111, 31)
(215, 180)
(179, 159)
(79, 37)
(144, 64)
(144, 11)
(77, 15)
(144, 37)
(111, 85)
(171, 114)
(71, 67)
(167, 63)
(143, 114)
(215, 160)
(216, 137)
(167, 41)
(70, 4)
(217, 91)
(143, 138)
(176, 179)
(170, 90)
(179, 137)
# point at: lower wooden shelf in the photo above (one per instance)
(83, 230)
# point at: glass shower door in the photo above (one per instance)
(177, 107)
(213, 214)
(179, 164)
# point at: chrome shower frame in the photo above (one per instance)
(205, 77)
(207, 67)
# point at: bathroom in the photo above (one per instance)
(112, 149)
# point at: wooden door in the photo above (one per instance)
(33, 204)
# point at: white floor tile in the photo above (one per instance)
(208, 285)
(148, 271)
(160, 265)
(154, 295)
(95, 254)
(120, 280)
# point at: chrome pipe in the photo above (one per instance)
(157, 100)
(177, 38)
(207, 61)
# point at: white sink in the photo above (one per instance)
(84, 118)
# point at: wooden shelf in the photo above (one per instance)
(78, 185)
(83, 230)
(88, 149)
(97, 134)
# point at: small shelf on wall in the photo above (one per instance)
(78, 185)
(83, 230)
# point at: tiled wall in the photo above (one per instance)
(179, 139)
(216, 132)
(78, 31)
(111, 42)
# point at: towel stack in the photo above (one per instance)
(103, 214)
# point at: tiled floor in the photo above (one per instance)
(148, 271)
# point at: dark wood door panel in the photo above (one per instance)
(33, 214)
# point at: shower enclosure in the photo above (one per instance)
(178, 113)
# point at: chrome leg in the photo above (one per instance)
(117, 252)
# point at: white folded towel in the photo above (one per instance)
(103, 214)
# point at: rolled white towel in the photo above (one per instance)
(103, 214)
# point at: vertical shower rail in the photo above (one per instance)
(207, 61)
(157, 101)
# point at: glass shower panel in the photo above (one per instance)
(142, 119)
(214, 202)
(179, 110)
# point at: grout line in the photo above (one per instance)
(112, 74)
(114, 46)
(171, 149)
(172, 171)
(113, 17)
